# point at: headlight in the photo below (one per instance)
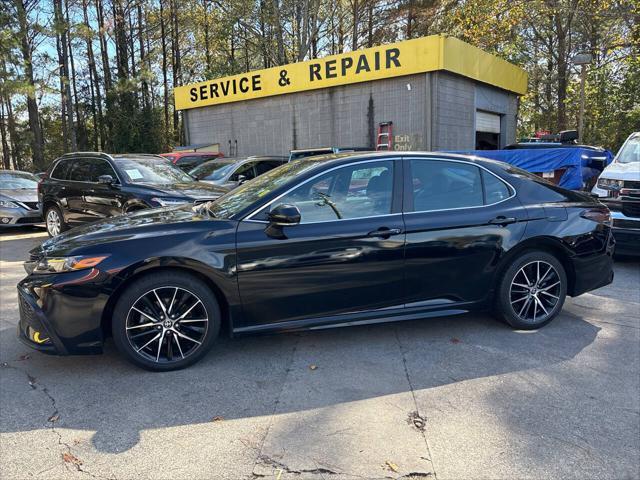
(8, 204)
(609, 184)
(169, 202)
(67, 264)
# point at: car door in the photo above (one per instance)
(102, 200)
(345, 256)
(246, 170)
(77, 187)
(459, 218)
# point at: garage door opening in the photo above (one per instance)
(487, 131)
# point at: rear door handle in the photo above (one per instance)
(501, 220)
(384, 232)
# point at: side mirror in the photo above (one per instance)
(105, 179)
(241, 179)
(284, 215)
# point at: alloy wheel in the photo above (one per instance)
(535, 291)
(53, 222)
(167, 324)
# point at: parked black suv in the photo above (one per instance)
(84, 187)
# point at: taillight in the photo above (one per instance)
(599, 215)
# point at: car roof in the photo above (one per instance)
(232, 160)
(189, 154)
(347, 157)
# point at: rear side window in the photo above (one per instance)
(61, 170)
(495, 190)
(442, 185)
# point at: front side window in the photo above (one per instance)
(100, 168)
(80, 170)
(245, 170)
(442, 185)
(354, 191)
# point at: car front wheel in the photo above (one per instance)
(532, 291)
(166, 321)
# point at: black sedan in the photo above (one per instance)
(327, 241)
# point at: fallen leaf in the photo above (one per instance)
(217, 418)
(313, 367)
(24, 357)
(455, 340)
(392, 466)
(69, 458)
(54, 418)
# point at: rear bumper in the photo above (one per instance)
(593, 271)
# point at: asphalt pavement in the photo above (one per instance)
(448, 398)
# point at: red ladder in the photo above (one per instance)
(385, 136)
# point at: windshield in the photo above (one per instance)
(18, 180)
(630, 152)
(251, 192)
(214, 170)
(149, 170)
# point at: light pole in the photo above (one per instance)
(582, 59)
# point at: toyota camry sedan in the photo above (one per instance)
(337, 240)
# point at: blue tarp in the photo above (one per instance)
(575, 161)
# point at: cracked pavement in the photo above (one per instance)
(444, 398)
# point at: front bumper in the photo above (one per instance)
(16, 217)
(625, 225)
(65, 310)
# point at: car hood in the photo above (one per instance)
(149, 223)
(20, 195)
(622, 171)
(194, 190)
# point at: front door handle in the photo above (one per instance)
(502, 220)
(384, 232)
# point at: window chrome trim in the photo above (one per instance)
(514, 192)
(511, 187)
(71, 159)
(337, 167)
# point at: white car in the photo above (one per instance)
(619, 188)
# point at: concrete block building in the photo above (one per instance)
(440, 93)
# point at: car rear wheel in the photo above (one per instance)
(166, 321)
(54, 221)
(532, 291)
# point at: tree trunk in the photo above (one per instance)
(65, 85)
(207, 47)
(13, 135)
(355, 13)
(165, 83)
(282, 58)
(175, 44)
(81, 130)
(37, 144)
(6, 153)
(145, 85)
(104, 52)
(96, 104)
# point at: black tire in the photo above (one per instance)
(188, 289)
(53, 210)
(536, 305)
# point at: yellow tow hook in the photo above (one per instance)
(37, 339)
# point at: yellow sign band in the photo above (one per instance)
(419, 55)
